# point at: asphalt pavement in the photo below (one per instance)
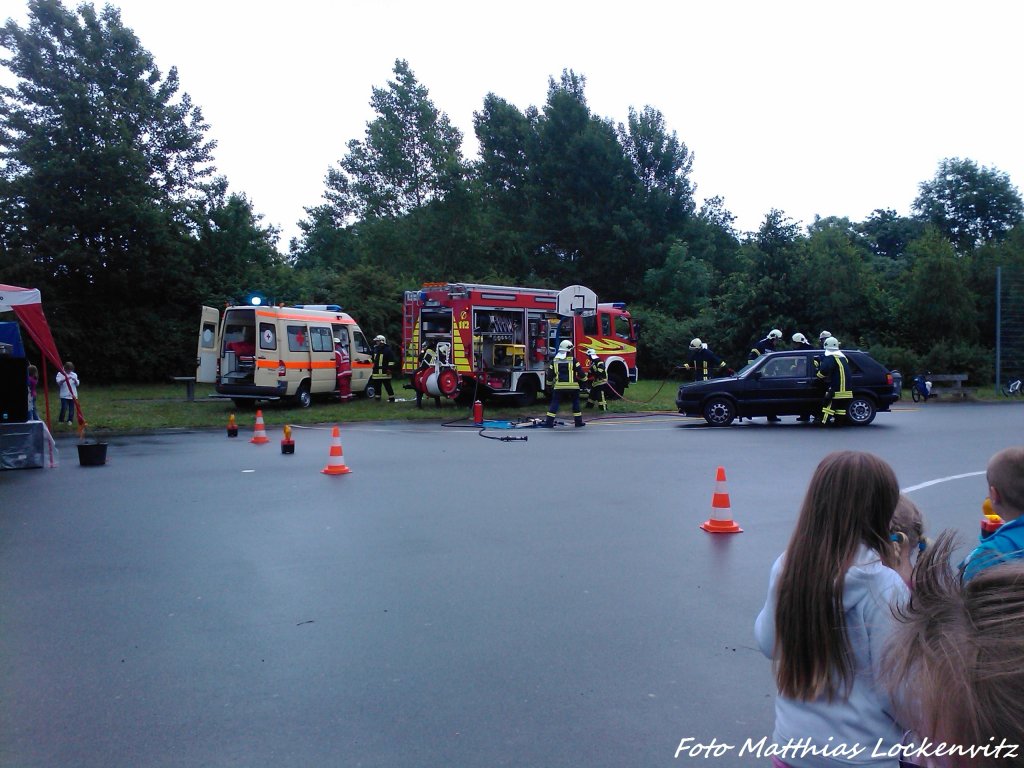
(453, 601)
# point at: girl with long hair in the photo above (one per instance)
(828, 615)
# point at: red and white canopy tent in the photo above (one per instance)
(26, 303)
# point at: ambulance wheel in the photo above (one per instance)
(371, 390)
(302, 396)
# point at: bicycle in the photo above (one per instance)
(920, 388)
(1012, 388)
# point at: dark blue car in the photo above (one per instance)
(784, 384)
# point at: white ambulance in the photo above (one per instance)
(254, 353)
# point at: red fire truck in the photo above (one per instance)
(495, 340)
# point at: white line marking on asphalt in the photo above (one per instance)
(919, 486)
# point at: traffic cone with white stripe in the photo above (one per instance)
(721, 511)
(336, 461)
(259, 436)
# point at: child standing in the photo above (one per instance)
(959, 648)
(829, 613)
(68, 392)
(33, 382)
(1005, 477)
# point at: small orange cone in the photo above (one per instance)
(232, 426)
(721, 512)
(260, 435)
(336, 461)
(287, 444)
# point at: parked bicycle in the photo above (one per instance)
(921, 388)
(1012, 388)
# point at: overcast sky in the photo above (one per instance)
(814, 108)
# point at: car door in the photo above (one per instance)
(786, 384)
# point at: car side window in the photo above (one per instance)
(785, 367)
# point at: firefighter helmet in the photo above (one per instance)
(832, 343)
(379, 339)
(565, 346)
(823, 335)
(799, 338)
(592, 353)
(695, 344)
(774, 333)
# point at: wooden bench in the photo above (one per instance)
(951, 384)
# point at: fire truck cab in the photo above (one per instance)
(254, 353)
(496, 341)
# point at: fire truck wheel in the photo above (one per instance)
(617, 382)
(527, 389)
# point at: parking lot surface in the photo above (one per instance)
(453, 601)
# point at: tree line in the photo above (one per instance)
(111, 204)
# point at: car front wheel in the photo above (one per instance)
(861, 411)
(719, 412)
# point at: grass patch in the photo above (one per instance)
(144, 407)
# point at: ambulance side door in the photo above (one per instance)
(362, 360)
(208, 349)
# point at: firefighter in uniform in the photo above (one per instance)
(704, 363)
(835, 372)
(383, 360)
(566, 373)
(822, 336)
(767, 344)
(598, 375)
(800, 342)
(428, 362)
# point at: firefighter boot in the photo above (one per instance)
(578, 420)
(549, 421)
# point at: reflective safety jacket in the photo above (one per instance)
(706, 364)
(383, 360)
(598, 373)
(835, 372)
(428, 358)
(565, 372)
(764, 345)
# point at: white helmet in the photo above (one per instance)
(379, 339)
(823, 335)
(832, 343)
(774, 333)
(799, 338)
(695, 344)
(565, 346)
(592, 353)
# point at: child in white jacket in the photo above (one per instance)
(68, 392)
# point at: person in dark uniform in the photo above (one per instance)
(598, 375)
(428, 362)
(822, 336)
(704, 363)
(800, 342)
(767, 344)
(566, 373)
(383, 361)
(835, 373)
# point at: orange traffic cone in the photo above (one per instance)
(721, 512)
(232, 426)
(336, 461)
(260, 435)
(287, 444)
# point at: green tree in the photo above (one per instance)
(970, 205)
(410, 156)
(938, 306)
(104, 169)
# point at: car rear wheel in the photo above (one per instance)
(719, 412)
(861, 411)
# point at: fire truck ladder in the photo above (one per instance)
(411, 330)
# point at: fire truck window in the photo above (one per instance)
(268, 336)
(606, 325)
(622, 327)
(321, 339)
(590, 325)
(297, 339)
